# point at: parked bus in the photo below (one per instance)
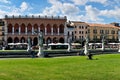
(58, 46)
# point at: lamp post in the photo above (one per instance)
(40, 43)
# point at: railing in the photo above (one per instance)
(34, 34)
(44, 17)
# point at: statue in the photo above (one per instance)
(103, 43)
(86, 52)
(40, 43)
(69, 41)
(29, 45)
(86, 47)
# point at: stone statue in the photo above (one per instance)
(86, 51)
(40, 39)
(86, 47)
(40, 43)
(29, 45)
(103, 43)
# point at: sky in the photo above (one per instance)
(91, 11)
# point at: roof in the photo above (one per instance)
(102, 25)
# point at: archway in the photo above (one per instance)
(35, 28)
(9, 28)
(35, 41)
(22, 28)
(42, 28)
(48, 29)
(22, 40)
(29, 27)
(55, 40)
(61, 28)
(16, 28)
(48, 40)
(9, 40)
(16, 40)
(55, 30)
(61, 40)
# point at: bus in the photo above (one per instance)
(17, 46)
(58, 46)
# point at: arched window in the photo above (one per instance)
(16, 40)
(61, 28)
(9, 28)
(61, 40)
(16, 28)
(42, 28)
(9, 40)
(29, 27)
(48, 29)
(55, 30)
(35, 28)
(22, 28)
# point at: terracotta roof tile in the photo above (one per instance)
(103, 25)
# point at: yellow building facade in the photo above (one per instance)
(97, 31)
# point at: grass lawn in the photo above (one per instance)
(105, 67)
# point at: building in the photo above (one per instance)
(1, 32)
(70, 32)
(80, 30)
(19, 28)
(97, 31)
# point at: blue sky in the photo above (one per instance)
(92, 11)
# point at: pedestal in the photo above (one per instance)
(103, 47)
(119, 48)
(29, 49)
(86, 50)
(40, 52)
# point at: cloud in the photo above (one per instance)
(79, 2)
(5, 1)
(92, 14)
(23, 6)
(83, 2)
(69, 9)
(114, 13)
(59, 8)
(13, 10)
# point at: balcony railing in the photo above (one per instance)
(33, 16)
(34, 34)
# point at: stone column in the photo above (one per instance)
(65, 33)
(19, 30)
(26, 30)
(13, 30)
(39, 29)
(51, 30)
(45, 31)
(58, 31)
(32, 30)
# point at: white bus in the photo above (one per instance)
(58, 46)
